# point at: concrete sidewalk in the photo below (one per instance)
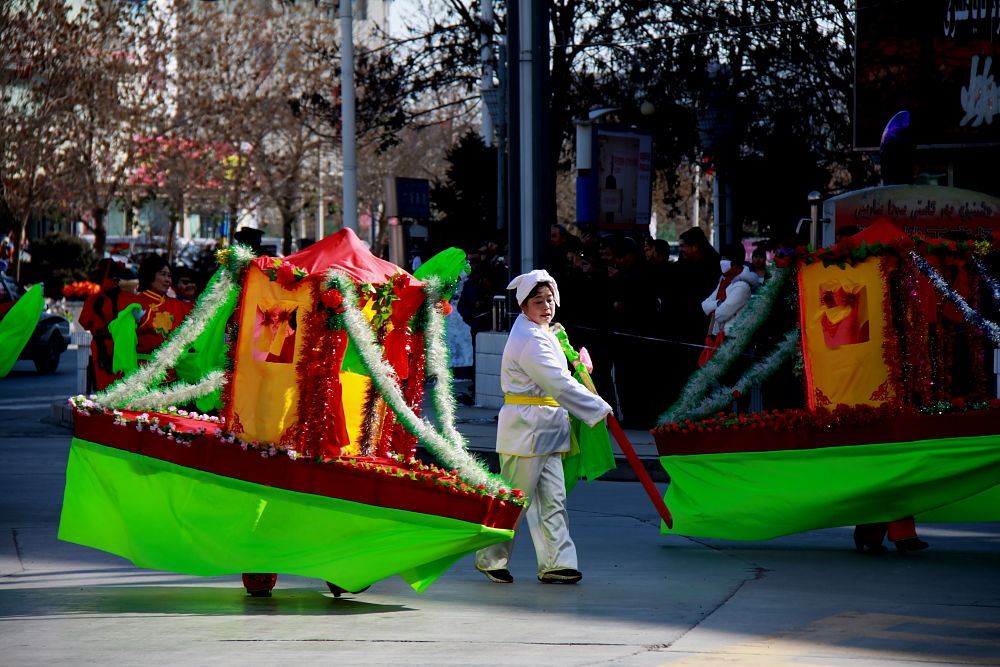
(646, 599)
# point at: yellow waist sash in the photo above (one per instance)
(512, 399)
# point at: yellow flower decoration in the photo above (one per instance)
(163, 321)
(983, 248)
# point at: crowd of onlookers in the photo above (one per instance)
(646, 311)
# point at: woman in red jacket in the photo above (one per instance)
(161, 313)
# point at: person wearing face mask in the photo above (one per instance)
(728, 299)
(533, 432)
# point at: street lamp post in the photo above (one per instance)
(349, 147)
(530, 196)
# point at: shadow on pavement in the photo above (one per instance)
(186, 600)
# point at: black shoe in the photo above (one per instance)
(565, 575)
(338, 591)
(501, 576)
(870, 536)
(910, 544)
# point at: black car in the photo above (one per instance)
(51, 335)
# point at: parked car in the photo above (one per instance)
(51, 335)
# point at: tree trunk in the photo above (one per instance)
(176, 213)
(100, 230)
(171, 232)
(233, 210)
(287, 225)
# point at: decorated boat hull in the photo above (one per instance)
(173, 493)
(763, 482)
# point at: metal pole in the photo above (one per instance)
(485, 58)
(514, 137)
(697, 196)
(719, 207)
(349, 147)
(321, 207)
(525, 55)
(502, 138)
(543, 198)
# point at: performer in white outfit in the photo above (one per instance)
(533, 432)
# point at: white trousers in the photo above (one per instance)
(541, 479)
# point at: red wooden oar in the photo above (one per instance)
(640, 471)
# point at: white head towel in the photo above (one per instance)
(526, 282)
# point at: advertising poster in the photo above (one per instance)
(623, 169)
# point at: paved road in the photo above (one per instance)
(646, 599)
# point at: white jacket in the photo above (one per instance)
(737, 296)
(534, 365)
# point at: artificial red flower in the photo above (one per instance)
(286, 274)
(332, 299)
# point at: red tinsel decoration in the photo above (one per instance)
(979, 380)
(891, 353)
(916, 331)
(405, 443)
(321, 425)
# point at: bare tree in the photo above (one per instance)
(121, 51)
(38, 72)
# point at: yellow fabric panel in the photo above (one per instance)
(842, 336)
(354, 387)
(265, 394)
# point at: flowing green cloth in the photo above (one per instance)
(164, 516)
(446, 265)
(761, 495)
(17, 325)
(123, 330)
(208, 351)
(590, 454)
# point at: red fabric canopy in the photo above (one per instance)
(880, 231)
(345, 251)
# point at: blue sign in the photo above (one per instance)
(413, 197)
